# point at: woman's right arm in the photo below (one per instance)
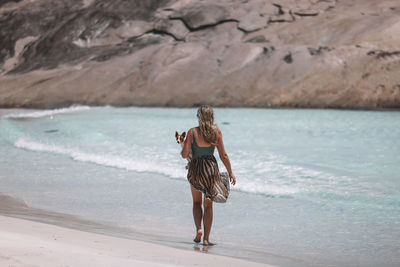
(187, 145)
(224, 158)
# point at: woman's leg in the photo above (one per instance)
(207, 220)
(197, 213)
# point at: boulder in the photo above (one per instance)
(258, 53)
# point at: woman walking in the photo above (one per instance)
(203, 173)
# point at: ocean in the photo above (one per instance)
(314, 187)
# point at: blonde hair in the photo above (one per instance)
(208, 128)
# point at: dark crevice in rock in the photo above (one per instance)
(33, 19)
(278, 20)
(365, 75)
(282, 18)
(219, 62)
(244, 31)
(38, 51)
(280, 9)
(205, 26)
(39, 82)
(288, 58)
(126, 48)
(59, 23)
(247, 31)
(258, 39)
(319, 50)
(381, 54)
(268, 51)
(162, 32)
(306, 13)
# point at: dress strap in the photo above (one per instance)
(194, 137)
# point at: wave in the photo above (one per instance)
(170, 169)
(45, 113)
(272, 178)
(268, 189)
(132, 164)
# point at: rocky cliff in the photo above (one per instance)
(260, 53)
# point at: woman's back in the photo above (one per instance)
(199, 146)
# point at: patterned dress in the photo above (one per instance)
(204, 175)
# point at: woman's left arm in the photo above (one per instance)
(187, 146)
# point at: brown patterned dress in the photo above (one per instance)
(204, 175)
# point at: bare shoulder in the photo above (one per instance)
(219, 135)
(190, 133)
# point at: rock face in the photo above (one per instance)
(260, 53)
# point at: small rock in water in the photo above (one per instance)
(51, 131)
(225, 123)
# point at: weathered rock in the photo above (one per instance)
(3, 2)
(20, 47)
(264, 53)
(252, 21)
(176, 28)
(283, 15)
(217, 40)
(197, 16)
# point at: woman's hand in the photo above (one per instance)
(232, 178)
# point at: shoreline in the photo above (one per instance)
(39, 238)
(31, 243)
(5, 111)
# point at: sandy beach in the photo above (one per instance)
(27, 243)
(30, 243)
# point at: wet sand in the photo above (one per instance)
(25, 240)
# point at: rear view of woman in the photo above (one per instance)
(203, 171)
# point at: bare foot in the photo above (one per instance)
(206, 243)
(197, 239)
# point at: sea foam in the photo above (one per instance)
(109, 160)
(161, 166)
(264, 180)
(45, 113)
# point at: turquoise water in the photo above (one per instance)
(315, 187)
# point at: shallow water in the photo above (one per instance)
(315, 187)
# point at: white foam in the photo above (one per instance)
(132, 164)
(271, 174)
(267, 189)
(45, 113)
(261, 176)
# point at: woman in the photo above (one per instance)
(203, 168)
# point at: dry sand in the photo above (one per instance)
(27, 243)
(31, 243)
